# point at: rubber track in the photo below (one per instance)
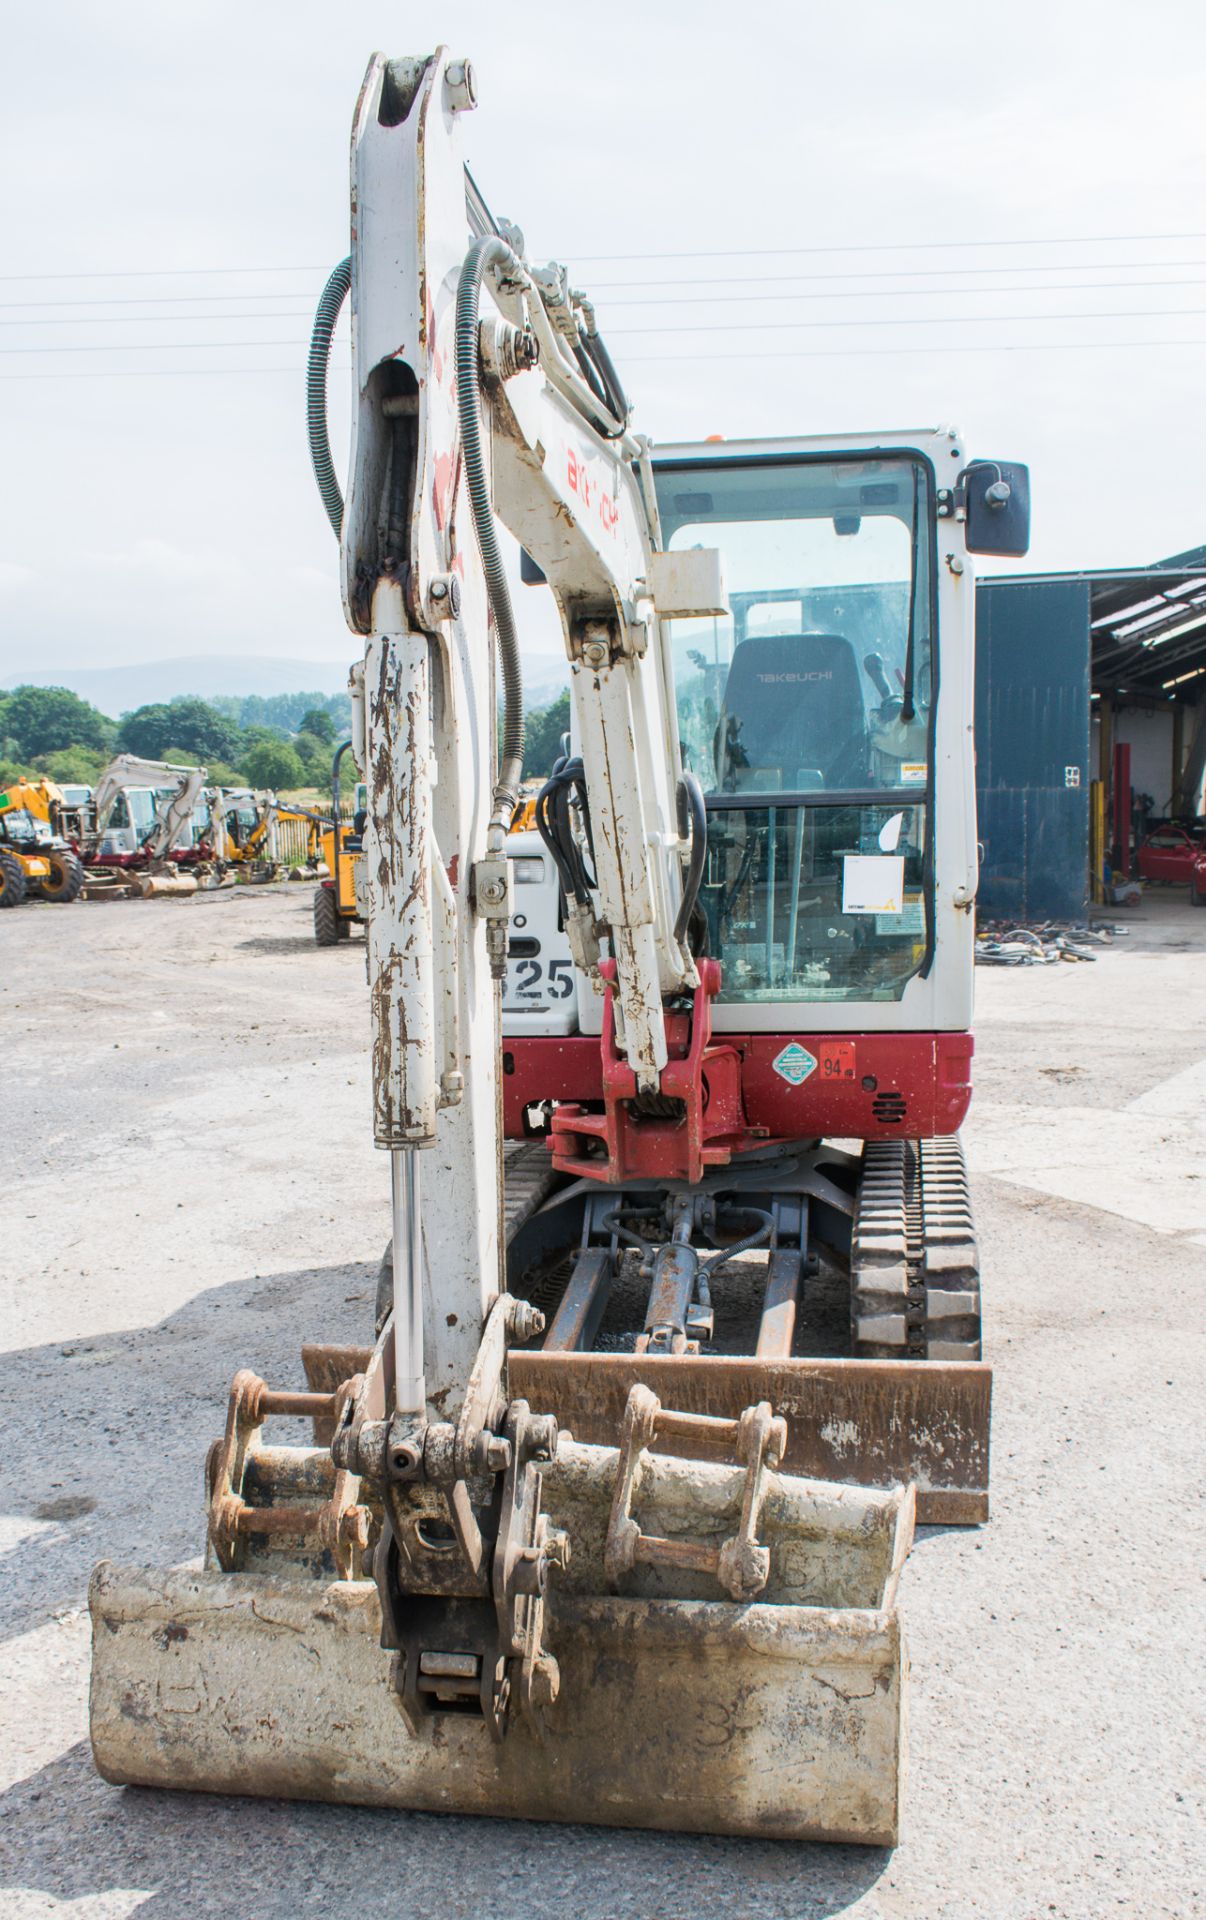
(528, 1178)
(914, 1266)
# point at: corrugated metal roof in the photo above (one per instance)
(1148, 624)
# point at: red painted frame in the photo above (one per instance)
(911, 1085)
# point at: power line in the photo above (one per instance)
(907, 246)
(882, 273)
(164, 373)
(179, 299)
(888, 353)
(673, 286)
(925, 320)
(702, 253)
(888, 293)
(162, 273)
(213, 319)
(160, 346)
(297, 371)
(731, 326)
(873, 293)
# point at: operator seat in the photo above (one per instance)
(793, 716)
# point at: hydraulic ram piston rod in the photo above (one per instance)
(411, 1389)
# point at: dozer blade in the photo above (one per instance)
(782, 1717)
(871, 1423)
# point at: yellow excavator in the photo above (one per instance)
(36, 859)
(604, 1520)
(243, 830)
(339, 893)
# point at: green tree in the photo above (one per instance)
(315, 756)
(146, 731)
(223, 774)
(189, 723)
(320, 723)
(46, 719)
(256, 734)
(201, 729)
(74, 766)
(275, 764)
(543, 728)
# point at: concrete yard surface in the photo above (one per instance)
(191, 1187)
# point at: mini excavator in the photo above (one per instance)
(607, 1521)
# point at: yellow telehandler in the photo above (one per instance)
(36, 860)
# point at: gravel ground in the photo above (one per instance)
(190, 1187)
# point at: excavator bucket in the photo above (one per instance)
(678, 1706)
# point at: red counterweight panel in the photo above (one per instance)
(863, 1086)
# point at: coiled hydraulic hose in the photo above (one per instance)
(693, 813)
(330, 301)
(488, 252)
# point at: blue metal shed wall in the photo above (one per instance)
(1032, 724)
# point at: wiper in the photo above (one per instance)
(907, 708)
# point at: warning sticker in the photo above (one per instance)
(912, 773)
(837, 1059)
(794, 1064)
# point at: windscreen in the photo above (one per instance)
(820, 679)
(805, 715)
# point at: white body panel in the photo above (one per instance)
(539, 993)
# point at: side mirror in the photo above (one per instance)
(996, 506)
(529, 572)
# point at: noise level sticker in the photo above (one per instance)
(794, 1064)
(838, 1060)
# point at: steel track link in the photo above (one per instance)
(914, 1265)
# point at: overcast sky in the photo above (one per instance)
(149, 512)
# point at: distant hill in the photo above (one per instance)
(118, 690)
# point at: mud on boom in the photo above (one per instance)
(608, 1522)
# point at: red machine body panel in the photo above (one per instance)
(864, 1086)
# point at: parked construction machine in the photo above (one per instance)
(607, 1524)
(36, 859)
(137, 830)
(340, 893)
(243, 831)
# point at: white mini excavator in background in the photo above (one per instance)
(607, 1525)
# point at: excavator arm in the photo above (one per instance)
(484, 396)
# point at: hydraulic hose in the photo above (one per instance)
(487, 252)
(691, 802)
(331, 300)
(751, 1240)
